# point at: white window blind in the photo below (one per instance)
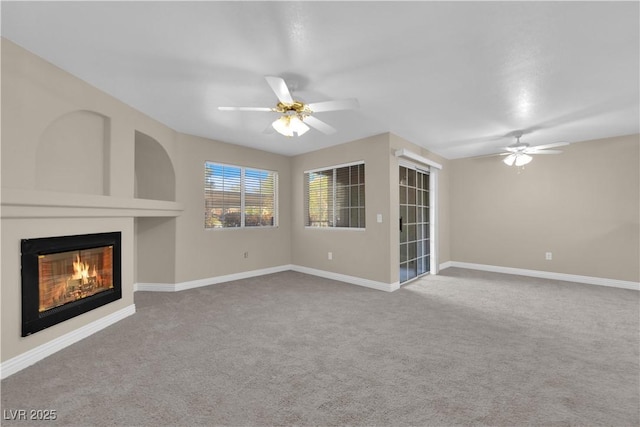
(239, 197)
(335, 197)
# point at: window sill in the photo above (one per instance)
(335, 228)
(270, 227)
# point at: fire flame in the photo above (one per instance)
(81, 270)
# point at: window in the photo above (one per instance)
(235, 196)
(335, 197)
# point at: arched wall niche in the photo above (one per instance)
(154, 175)
(73, 154)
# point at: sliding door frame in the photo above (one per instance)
(408, 158)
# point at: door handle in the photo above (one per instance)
(400, 224)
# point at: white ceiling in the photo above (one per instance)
(457, 78)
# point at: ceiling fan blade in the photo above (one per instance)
(280, 88)
(319, 125)
(555, 144)
(338, 104)
(513, 149)
(543, 151)
(245, 109)
(492, 155)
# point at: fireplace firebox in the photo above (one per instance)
(63, 277)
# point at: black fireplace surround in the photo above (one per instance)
(73, 288)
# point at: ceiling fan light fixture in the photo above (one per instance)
(523, 159)
(297, 125)
(281, 126)
(290, 125)
(509, 159)
(519, 159)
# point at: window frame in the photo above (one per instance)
(334, 192)
(243, 171)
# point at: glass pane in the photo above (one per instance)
(404, 214)
(361, 194)
(411, 232)
(425, 231)
(428, 263)
(354, 174)
(411, 196)
(412, 248)
(419, 181)
(342, 196)
(411, 219)
(342, 175)
(403, 273)
(231, 198)
(411, 178)
(425, 214)
(354, 217)
(342, 217)
(422, 265)
(411, 269)
(361, 173)
(361, 217)
(259, 197)
(423, 248)
(354, 196)
(402, 176)
(420, 233)
(319, 198)
(427, 247)
(403, 230)
(425, 198)
(425, 181)
(231, 217)
(403, 252)
(403, 195)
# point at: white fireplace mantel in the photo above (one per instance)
(20, 203)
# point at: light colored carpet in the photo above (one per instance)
(461, 348)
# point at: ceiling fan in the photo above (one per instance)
(296, 115)
(519, 154)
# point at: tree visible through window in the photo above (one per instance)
(335, 197)
(239, 197)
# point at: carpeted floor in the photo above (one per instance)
(461, 348)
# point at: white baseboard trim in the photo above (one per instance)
(34, 355)
(168, 287)
(599, 281)
(191, 284)
(444, 265)
(154, 287)
(381, 286)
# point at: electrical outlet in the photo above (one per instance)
(330, 255)
(246, 254)
(548, 256)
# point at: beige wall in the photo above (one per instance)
(216, 252)
(51, 123)
(155, 248)
(373, 253)
(358, 253)
(582, 205)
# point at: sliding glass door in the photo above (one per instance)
(414, 223)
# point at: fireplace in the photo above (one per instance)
(63, 277)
